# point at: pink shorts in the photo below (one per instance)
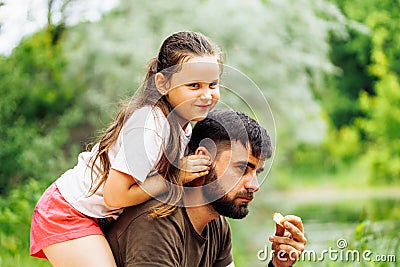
(55, 220)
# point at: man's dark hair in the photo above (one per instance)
(225, 126)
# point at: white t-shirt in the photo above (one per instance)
(137, 149)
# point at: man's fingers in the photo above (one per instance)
(296, 233)
(287, 242)
(296, 221)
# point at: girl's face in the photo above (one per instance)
(194, 90)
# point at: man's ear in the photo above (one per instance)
(201, 150)
(161, 83)
(208, 147)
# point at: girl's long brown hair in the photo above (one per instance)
(177, 48)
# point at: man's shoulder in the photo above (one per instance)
(139, 216)
(168, 241)
(137, 238)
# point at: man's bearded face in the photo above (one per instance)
(227, 205)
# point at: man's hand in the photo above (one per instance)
(288, 242)
(193, 167)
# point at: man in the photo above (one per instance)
(197, 233)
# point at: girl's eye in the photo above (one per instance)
(213, 85)
(194, 85)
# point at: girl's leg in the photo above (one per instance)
(87, 251)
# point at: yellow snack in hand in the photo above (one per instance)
(278, 218)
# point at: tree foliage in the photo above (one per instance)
(382, 123)
(364, 101)
(34, 93)
(284, 51)
(37, 100)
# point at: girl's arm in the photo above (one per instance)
(121, 189)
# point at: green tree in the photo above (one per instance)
(351, 55)
(39, 114)
(34, 93)
(363, 102)
(382, 124)
(284, 51)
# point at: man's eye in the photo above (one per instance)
(243, 168)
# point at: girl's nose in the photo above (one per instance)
(206, 94)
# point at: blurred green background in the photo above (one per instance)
(329, 70)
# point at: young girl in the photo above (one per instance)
(139, 156)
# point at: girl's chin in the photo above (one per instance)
(199, 118)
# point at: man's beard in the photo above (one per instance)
(225, 205)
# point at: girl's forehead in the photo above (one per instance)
(201, 69)
(204, 59)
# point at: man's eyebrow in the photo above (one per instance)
(251, 165)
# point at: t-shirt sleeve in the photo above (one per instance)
(137, 156)
(224, 257)
(155, 243)
(140, 144)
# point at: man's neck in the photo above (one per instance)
(201, 215)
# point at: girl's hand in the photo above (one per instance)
(288, 242)
(194, 166)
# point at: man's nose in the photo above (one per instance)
(252, 183)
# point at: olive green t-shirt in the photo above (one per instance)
(139, 240)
